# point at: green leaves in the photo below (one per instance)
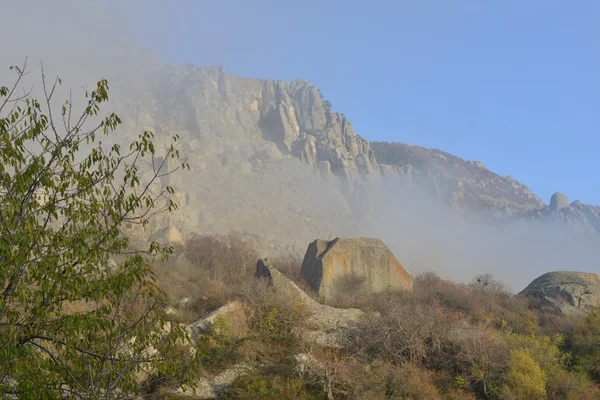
(69, 326)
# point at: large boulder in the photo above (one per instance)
(566, 292)
(325, 326)
(328, 262)
(559, 201)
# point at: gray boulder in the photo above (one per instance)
(566, 292)
(558, 201)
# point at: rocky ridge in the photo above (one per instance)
(583, 218)
(463, 185)
(273, 160)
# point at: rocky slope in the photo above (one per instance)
(271, 158)
(464, 185)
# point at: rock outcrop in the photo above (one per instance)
(566, 292)
(228, 320)
(325, 326)
(583, 219)
(273, 160)
(328, 262)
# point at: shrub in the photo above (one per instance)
(404, 331)
(479, 358)
(525, 379)
(229, 258)
(271, 314)
(584, 342)
(351, 291)
(411, 382)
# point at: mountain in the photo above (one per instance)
(584, 219)
(269, 158)
(465, 185)
(273, 160)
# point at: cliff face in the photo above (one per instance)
(271, 159)
(210, 105)
(464, 185)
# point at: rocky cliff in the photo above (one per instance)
(584, 219)
(273, 160)
(269, 158)
(464, 185)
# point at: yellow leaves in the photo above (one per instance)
(525, 378)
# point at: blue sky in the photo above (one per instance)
(515, 84)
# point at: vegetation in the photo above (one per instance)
(442, 341)
(70, 326)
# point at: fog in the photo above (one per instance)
(85, 40)
(427, 236)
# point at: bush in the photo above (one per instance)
(584, 342)
(271, 314)
(405, 331)
(258, 387)
(525, 379)
(479, 358)
(411, 382)
(228, 259)
(351, 291)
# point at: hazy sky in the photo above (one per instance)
(513, 83)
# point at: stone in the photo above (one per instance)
(325, 326)
(326, 262)
(229, 320)
(168, 235)
(566, 292)
(477, 164)
(213, 387)
(558, 201)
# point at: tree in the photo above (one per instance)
(481, 358)
(69, 326)
(525, 379)
(584, 342)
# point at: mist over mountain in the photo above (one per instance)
(273, 160)
(276, 161)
